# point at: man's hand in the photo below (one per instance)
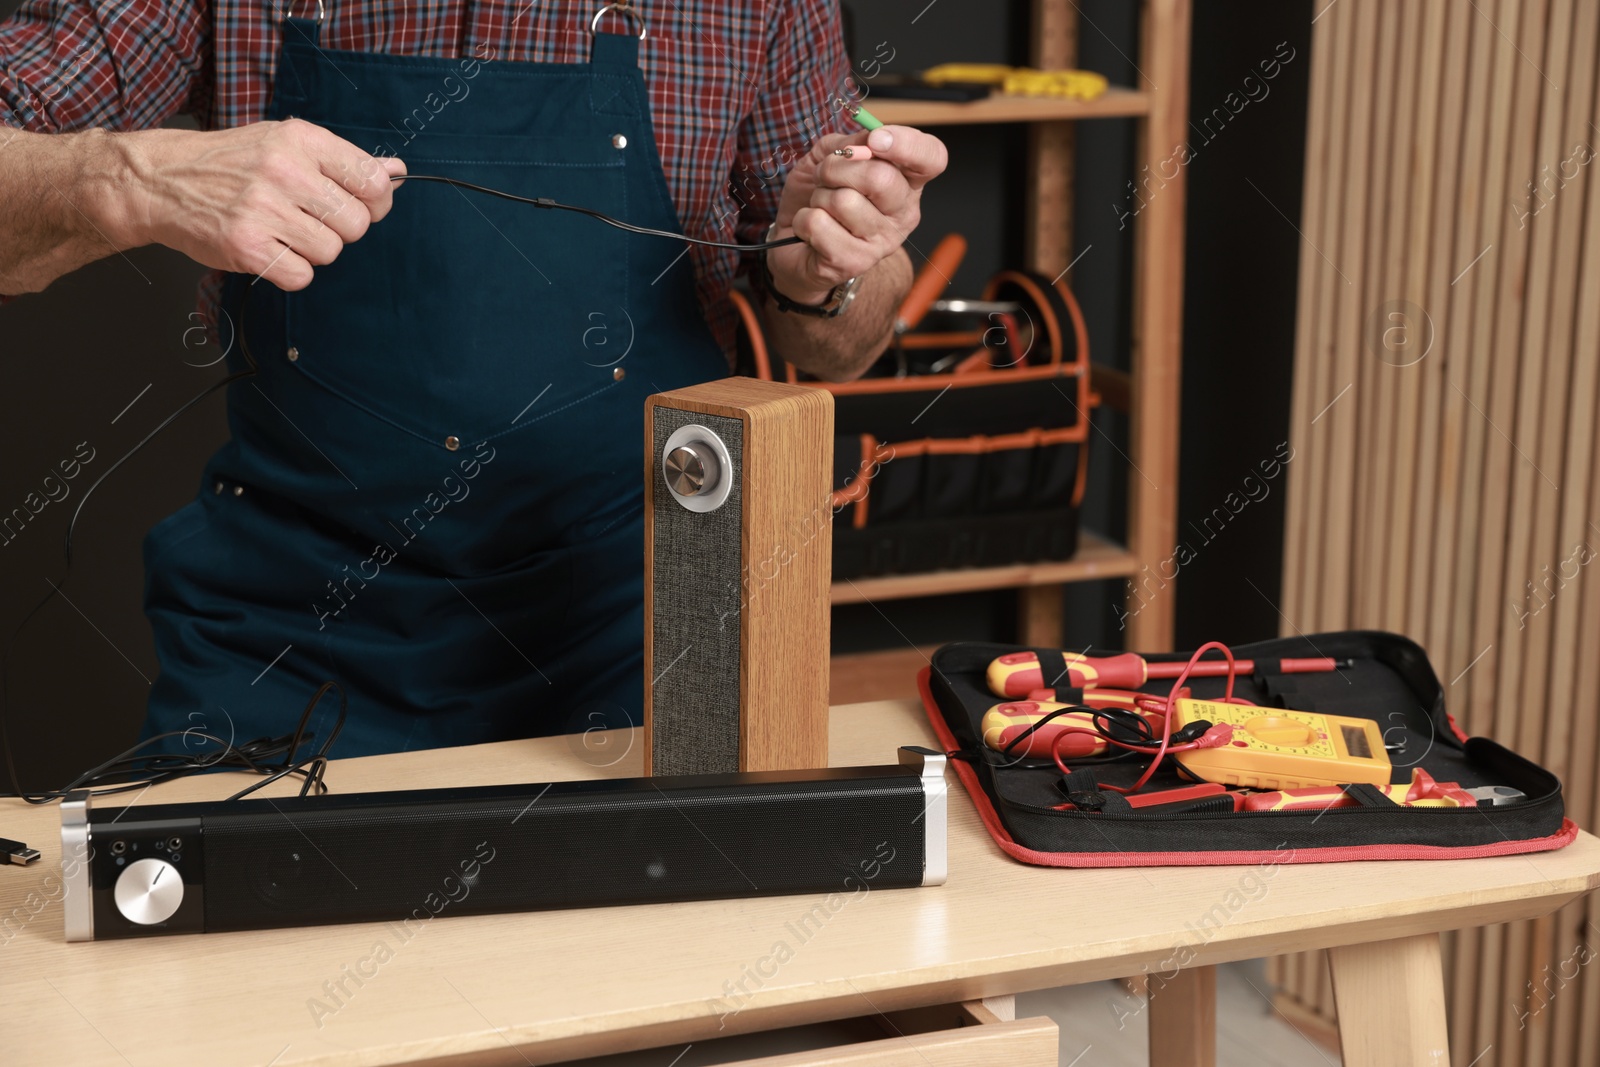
(274, 199)
(852, 213)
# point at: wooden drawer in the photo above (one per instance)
(971, 1034)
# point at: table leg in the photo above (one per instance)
(1183, 1019)
(1390, 998)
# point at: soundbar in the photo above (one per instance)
(417, 854)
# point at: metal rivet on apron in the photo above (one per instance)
(238, 490)
(219, 487)
(294, 353)
(618, 374)
(452, 443)
(618, 141)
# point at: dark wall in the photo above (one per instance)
(1241, 272)
(115, 334)
(77, 361)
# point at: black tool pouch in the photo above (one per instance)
(1389, 680)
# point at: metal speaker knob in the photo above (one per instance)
(149, 892)
(697, 468)
(692, 469)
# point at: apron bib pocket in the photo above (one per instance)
(426, 344)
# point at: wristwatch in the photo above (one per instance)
(833, 306)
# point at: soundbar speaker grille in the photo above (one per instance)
(567, 848)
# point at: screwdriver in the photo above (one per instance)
(1205, 798)
(1005, 723)
(1105, 698)
(1019, 673)
(1422, 792)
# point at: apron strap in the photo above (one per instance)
(616, 49)
(297, 62)
(309, 30)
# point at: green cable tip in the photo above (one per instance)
(865, 119)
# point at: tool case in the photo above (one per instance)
(1388, 679)
(966, 445)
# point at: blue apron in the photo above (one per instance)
(433, 492)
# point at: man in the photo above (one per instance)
(431, 494)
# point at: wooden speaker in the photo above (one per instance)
(738, 559)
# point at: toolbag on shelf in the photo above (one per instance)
(1384, 684)
(964, 446)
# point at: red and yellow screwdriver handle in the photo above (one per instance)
(1107, 698)
(1004, 723)
(1018, 673)
(1422, 792)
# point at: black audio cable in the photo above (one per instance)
(271, 757)
(546, 202)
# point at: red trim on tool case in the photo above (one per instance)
(1008, 845)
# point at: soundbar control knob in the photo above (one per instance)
(692, 469)
(149, 892)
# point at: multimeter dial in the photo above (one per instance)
(1279, 730)
(1281, 748)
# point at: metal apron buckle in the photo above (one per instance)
(624, 8)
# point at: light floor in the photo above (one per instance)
(1249, 1031)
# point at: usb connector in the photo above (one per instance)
(16, 852)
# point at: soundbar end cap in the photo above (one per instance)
(935, 811)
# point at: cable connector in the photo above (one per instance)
(1216, 737)
(1190, 732)
(16, 852)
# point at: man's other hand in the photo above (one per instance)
(851, 212)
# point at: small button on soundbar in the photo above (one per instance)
(149, 892)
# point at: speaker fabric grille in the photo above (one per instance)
(301, 863)
(696, 591)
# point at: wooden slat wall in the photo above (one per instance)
(1449, 488)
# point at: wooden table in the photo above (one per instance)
(536, 988)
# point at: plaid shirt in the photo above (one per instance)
(738, 88)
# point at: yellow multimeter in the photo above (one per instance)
(1275, 748)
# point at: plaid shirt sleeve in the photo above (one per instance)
(117, 64)
(807, 71)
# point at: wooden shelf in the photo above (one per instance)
(1097, 558)
(1115, 104)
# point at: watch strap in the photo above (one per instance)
(838, 299)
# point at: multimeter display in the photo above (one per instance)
(1275, 748)
(1355, 742)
